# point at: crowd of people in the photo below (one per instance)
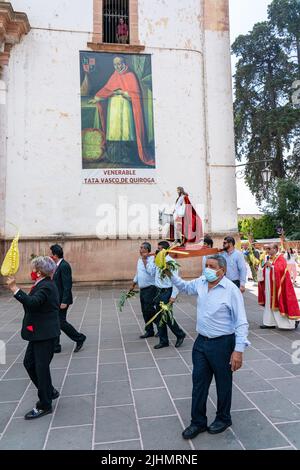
(221, 323)
(255, 257)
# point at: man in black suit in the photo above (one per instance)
(41, 328)
(63, 280)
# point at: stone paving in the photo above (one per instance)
(119, 393)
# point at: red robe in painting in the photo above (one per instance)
(127, 82)
(192, 229)
(283, 297)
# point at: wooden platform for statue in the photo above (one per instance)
(193, 250)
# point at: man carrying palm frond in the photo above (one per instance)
(167, 294)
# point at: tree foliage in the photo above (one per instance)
(285, 207)
(267, 124)
(264, 227)
(285, 16)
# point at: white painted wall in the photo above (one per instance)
(44, 193)
(220, 132)
(171, 23)
(74, 15)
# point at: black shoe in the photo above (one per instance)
(147, 335)
(57, 349)
(296, 324)
(55, 395)
(37, 413)
(265, 327)
(79, 345)
(192, 431)
(179, 341)
(161, 345)
(218, 426)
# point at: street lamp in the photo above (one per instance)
(266, 175)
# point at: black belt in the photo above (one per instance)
(206, 338)
(163, 289)
(144, 288)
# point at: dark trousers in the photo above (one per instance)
(67, 328)
(164, 295)
(147, 305)
(237, 283)
(37, 361)
(211, 357)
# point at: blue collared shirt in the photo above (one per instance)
(220, 310)
(159, 282)
(236, 266)
(142, 276)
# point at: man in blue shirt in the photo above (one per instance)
(236, 265)
(218, 350)
(146, 283)
(167, 293)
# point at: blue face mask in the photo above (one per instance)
(210, 274)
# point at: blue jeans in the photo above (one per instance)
(211, 357)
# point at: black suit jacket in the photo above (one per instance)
(41, 306)
(63, 280)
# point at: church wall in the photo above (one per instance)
(44, 140)
(73, 15)
(45, 195)
(220, 136)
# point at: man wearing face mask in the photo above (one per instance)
(40, 328)
(218, 350)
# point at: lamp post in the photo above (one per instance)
(266, 172)
(266, 175)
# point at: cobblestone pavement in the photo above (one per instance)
(120, 393)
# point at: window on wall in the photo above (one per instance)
(116, 21)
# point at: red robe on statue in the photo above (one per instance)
(283, 297)
(192, 230)
(127, 82)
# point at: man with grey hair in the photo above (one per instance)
(40, 328)
(146, 283)
(218, 350)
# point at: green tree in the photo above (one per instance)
(264, 227)
(246, 226)
(285, 16)
(285, 208)
(266, 123)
